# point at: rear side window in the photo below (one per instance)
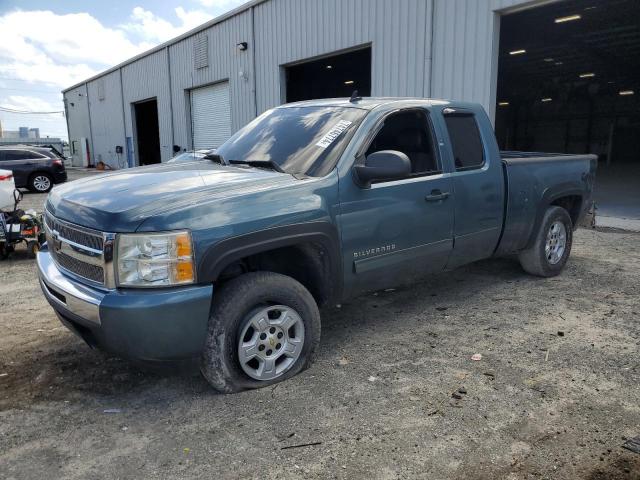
(17, 155)
(468, 152)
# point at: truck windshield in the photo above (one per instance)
(300, 140)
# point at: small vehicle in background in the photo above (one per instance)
(192, 156)
(16, 225)
(35, 168)
(7, 186)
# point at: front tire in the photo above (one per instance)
(552, 247)
(264, 328)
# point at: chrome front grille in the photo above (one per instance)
(79, 250)
(74, 233)
(94, 273)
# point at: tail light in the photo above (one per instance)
(6, 177)
(58, 163)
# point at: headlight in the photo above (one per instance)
(155, 259)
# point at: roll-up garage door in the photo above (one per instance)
(210, 116)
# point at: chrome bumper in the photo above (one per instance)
(62, 292)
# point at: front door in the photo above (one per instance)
(397, 231)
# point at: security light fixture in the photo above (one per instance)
(587, 75)
(349, 82)
(569, 18)
(517, 52)
(242, 46)
(625, 93)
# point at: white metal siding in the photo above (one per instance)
(399, 32)
(144, 79)
(457, 60)
(225, 64)
(465, 54)
(210, 116)
(107, 122)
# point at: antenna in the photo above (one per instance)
(355, 96)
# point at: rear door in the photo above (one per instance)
(478, 184)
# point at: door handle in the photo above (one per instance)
(436, 196)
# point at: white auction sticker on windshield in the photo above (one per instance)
(334, 133)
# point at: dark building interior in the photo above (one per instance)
(330, 77)
(569, 81)
(147, 132)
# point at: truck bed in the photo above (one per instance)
(535, 180)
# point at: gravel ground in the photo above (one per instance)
(554, 396)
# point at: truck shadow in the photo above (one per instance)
(62, 367)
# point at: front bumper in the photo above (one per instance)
(164, 324)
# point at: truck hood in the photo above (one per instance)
(121, 201)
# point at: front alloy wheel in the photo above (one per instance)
(264, 328)
(271, 342)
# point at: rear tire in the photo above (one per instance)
(40, 182)
(552, 247)
(264, 328)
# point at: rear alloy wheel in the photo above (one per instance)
(549, 253)
(264, 328)
(41, 183)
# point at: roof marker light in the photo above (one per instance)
(587, 75)
(349, 82)
(545, 100)
(624, 93)
(503, 104)
(517, 52)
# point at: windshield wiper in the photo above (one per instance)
(270, 164)
(215, 157)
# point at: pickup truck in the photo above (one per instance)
(228, 259)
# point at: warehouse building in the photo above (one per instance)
(558, 76)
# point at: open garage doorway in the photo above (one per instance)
(330, 77)
(569, 81)
(147, 132)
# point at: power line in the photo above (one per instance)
(13, 110)
(50, 92)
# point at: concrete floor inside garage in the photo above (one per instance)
(569, 82)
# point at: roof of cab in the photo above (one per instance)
(365, 103)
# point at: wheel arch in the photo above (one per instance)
(570, 197)
(308, 252)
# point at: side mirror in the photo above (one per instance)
(383, 165)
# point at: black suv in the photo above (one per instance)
(35, 168)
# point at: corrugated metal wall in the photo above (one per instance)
(107, 121)
(145, 79)
(465, 38)
(399, 32)
(461, 65)
(77, 109)
(225, 63)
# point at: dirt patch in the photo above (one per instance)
(554, 395)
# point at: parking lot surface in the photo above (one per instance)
(394, 393)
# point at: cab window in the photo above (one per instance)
(408, 132)
(468, 152)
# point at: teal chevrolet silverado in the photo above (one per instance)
(229, 258)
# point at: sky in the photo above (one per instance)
(46, 46)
